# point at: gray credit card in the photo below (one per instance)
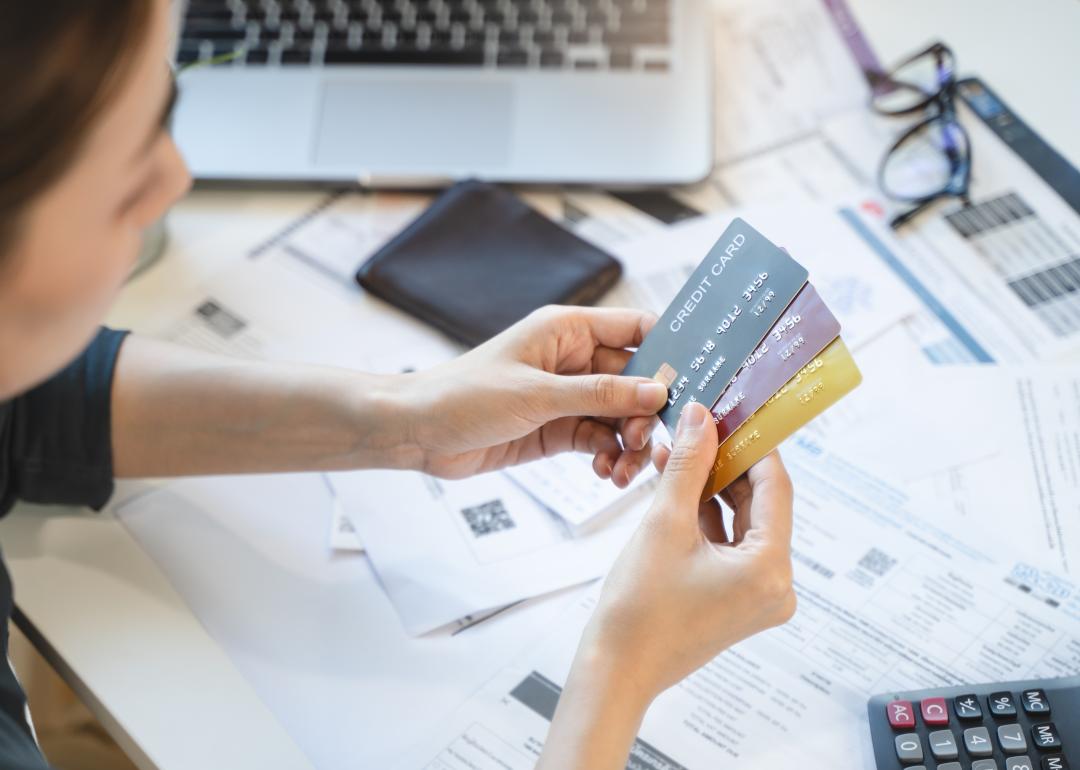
(717, 319)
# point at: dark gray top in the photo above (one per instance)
(55, 447)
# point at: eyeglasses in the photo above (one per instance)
(932, 159)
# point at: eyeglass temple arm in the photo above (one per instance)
(903, 218)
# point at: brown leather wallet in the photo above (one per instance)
(480, 259)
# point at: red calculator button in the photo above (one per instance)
(901, 714)
(935, 712)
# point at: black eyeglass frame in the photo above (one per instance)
(943, 103)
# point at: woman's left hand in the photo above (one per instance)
(548, 384)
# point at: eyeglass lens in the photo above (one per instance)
(928, 161)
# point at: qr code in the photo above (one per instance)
(219, 319)
(487, 518)
(877, 562)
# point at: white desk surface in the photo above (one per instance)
(110, 622)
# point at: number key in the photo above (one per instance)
(943, 745)
(977, 742)
(1019, 763)
(909, 749)
(1011, 739)
(1002, 704)
(984, 764)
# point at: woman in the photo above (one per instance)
(86, 165)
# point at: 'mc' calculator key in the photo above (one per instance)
(1032, 725)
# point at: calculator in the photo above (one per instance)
(1032, 725)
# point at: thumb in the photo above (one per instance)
(692, 457)
(605, 395)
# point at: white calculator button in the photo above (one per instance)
(909, 749)
(1019, 763)
(943, 745)
(977, 742)
(1011, 738)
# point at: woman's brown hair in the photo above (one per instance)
(59, 63)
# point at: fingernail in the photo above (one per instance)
(692, 419)
(651, 395)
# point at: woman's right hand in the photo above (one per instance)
(682, 591)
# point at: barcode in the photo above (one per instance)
(974, 220)
(877, 562)
(813, 564)
(489, 517)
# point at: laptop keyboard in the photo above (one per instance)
(575, 35)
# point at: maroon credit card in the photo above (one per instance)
(803, 331)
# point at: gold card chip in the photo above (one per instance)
(665, 374)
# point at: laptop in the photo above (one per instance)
(423, 92)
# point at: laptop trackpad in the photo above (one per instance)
(414, 125)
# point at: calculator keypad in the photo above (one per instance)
(1003, 730)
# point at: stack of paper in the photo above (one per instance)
(888, 599)
(448, 550)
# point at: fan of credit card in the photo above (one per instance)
(750, 338)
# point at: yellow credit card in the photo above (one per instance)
(830, 376)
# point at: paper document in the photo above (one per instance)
(343, 535)
(887, 600)
(567, 486)
(998, 281)
(281, 310)
(781, 66)
(313, 632)
(447, 549)
(340, 233)
(1026, 488)
(911, 420)
(807, 170)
